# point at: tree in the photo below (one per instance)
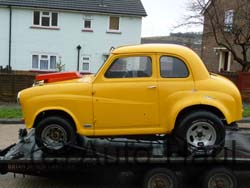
(228, 22)
(59, 66)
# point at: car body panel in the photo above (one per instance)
(101, 106)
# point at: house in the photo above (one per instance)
(40, 35)
(226, 35)
(191, 40)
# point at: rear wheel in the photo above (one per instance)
(200, 132)
(53, 134)
(219, 178)
(161, 178)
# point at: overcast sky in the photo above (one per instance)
(163, 15)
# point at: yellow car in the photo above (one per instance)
(144, 91)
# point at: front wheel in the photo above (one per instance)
(53, 133)
(201, 132)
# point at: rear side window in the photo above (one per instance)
(130, 67)
(172, 67)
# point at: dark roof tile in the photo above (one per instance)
(126, 7)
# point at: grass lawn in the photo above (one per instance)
(15, 111)
(246, 112)
(10, 112)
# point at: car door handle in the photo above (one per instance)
(152, 87)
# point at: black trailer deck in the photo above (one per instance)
(140, 157)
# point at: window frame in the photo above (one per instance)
(88, 18)
(41, 58)
(45, 16)
(109, 30)
(138, 77)
(185, 64)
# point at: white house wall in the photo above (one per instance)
(4, 39)
(63, 42)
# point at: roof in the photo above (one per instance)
(125, 7)
(198, 67)
(151, 48)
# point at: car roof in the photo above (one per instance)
(152, 48)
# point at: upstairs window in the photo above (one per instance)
(228, 20)
(45, 19)
(87, 23)
(44, 62)
(114, 23)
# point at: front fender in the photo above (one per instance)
(77, 106)
(30, 122)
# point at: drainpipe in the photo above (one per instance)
(78, 56)
(10, 37)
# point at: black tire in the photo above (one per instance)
(219, 177)
(200, 123)
(160, 177)
(63, 134)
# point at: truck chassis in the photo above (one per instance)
(151, 161)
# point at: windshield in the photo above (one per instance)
(102, 65)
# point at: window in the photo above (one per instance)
(228, 20)
(130, 67)
(172, 67)
(35, 61)
(44, 62)
(85, 64)
(114, 23)
(87, 23)
(52, 62)
(36, 20)
(54, 19)
(45, 19)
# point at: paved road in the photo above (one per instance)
(9, 135)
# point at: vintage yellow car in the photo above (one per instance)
(144, 91)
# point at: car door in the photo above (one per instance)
(126, 97)
(176, 85)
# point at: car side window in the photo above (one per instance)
(130, 67)
(172, 67)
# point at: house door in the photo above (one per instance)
(224, 61)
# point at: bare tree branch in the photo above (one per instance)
(236, 37)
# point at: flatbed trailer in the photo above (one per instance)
(150, 161)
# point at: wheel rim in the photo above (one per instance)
(160, 181)
(201, 134)
(54, 136)
(220, 181)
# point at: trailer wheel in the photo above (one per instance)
(220, 178)
(160, 178)
(52, 133)
(200, 129)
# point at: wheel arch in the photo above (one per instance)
(208, 108)
(50, 112)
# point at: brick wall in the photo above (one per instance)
(12, 83)
(208, 53)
